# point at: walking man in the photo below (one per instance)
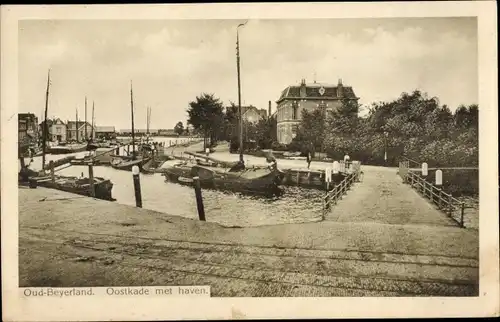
(308, 158)
(346, 161)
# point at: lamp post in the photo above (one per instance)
(386, 134)
(239, 89)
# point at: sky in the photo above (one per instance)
(170, 62)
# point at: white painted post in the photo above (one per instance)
(439, 178)
(328, 179)
(424, 169)
(336, 167)
(328, 175)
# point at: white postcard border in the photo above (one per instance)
(131, 308)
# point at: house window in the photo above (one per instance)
(294, 111)
(58, 130)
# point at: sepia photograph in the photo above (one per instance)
(248, 157)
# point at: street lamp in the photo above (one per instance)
(386, 134)
(239, 88)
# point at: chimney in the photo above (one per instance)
(269, 109)
(339, 88)
(303, 88)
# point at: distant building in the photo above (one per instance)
(41, 129)
(139, 132)
(252, 114)
(167, 132)
(105, 132)
(58, 130)
(307, 96)
(28, 128)
(73, 127)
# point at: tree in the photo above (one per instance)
(205, 114)
(310, 132)
(342, 130)
(179, 128)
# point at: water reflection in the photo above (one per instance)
(229, 209)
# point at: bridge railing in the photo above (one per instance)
(341, 189)
(444, 201)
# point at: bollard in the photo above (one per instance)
(199, 198)
(52, 173)
(91, 180)
(137, 186)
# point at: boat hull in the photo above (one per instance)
(255, 182)
(81, 186)
(127, 165)
(67, 149)
(152, 166)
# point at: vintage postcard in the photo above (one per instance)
(242, 161)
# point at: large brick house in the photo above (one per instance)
(306, 96)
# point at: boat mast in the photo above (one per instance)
(132, 112)
(45, 125)
(85, 118)
(148, 120)
(92, 129)
(76, 125)
(239, 90)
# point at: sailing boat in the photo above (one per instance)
(81, 186)
(126, 163)
(154, 164)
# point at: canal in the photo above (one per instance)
(296, 205)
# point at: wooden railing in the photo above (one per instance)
(339, 190)
(444, 201)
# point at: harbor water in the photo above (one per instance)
(296, 205)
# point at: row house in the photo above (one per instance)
(60, 131)
(27, 128)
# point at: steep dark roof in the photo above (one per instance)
(313, 91)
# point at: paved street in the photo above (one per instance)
(67, 240)
(382, 197)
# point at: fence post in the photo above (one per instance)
(450, 205)
(91, 180)
(52, 172)
(462, 210)
(137, 186)
(439, 197)
(199, 198)
(432, 193)
(327, 205)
